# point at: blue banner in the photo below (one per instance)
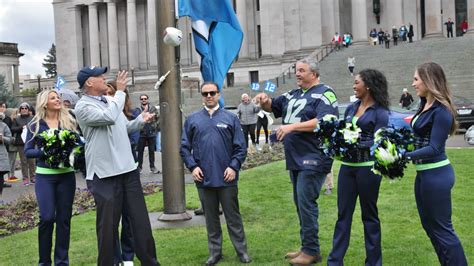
(269, 87)
(59, 82)
(217, 36)
(255, 86)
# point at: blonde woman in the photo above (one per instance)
(54, 187)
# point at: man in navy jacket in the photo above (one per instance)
(213, 149)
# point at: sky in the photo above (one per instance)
(30, 23)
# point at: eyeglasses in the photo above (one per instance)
(143, 99)
(206, 93)
(23, 108)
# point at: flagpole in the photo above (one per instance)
(170, 119)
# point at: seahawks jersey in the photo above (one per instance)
(299, 106)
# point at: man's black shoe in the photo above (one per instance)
(213, 260)
(199, 211)
(244, 258)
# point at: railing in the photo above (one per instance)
(318, 54)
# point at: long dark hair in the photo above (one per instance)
(377, 84)
(434, 79)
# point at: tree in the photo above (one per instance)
(5, 94)
(50, 62)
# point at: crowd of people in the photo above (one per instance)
(384, 37)
(214, 146)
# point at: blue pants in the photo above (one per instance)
(433, 199)
(55, 195)
(356, 182)
(306, 187)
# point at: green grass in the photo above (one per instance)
(272, 227)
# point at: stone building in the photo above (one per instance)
(122, 34)
(9, 62)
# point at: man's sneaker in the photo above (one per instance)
(26, 182)
(155, 171)
(12, 179)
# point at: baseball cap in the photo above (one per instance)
(89, 71)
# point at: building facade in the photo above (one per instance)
(9, 63)
(121, 34)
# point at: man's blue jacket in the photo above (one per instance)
(213, 143)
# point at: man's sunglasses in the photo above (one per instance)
(24, 108)
(212, 93)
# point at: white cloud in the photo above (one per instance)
(31, 25)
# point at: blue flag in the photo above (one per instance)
(217, 36)
(269, 87)
(255, 86)
(59, 82)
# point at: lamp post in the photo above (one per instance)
(38, 77)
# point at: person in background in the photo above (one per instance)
(247, 112)
(432, 124)
(411, 33)
(54, 187)
(148, 135)
(449, 27)
(67, 104)
(123, 249)
(337, 41)
(11, 149)
(464, 27)
(213, 149)
(387, 40)
(373, 36)
(406, 99)
(381, 36)
(395, 35)
(356, 179)
(5, 139)
(262, 122)
(18, 125)
(351, 64)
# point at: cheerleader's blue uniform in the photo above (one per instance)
(357, 180)
(55, 189)
(434, 181)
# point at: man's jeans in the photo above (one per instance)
(306, 188)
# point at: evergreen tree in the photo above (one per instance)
(50, 62)
(5, 94)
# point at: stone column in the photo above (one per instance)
(151, 32)
(395, 13)
(433, 19)
(78, 53)
(470, 17)
(113, 36)
(94, 35)
(16, 80)
(328, 20)
(359, 21)
(132, 34)
(241, 11)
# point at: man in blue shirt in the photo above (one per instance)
(213, 149)
(300, 110)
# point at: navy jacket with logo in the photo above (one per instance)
(213, 143)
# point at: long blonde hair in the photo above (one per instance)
(435, 82)
(66, 121)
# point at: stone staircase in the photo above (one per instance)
(455, 55)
